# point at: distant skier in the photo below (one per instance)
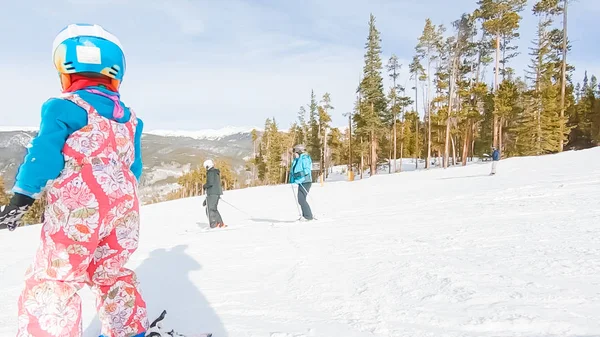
(301, 175)
(89, 146)
(213, 191)
(495, 159)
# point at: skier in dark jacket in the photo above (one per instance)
(495, 159)
(213, 191)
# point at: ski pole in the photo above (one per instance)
(307, 195)
(305, 191)
(296, 198)
(246, 213)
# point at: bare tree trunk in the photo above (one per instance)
(390, 155)
(287, 167)
(417, 155)
(453, 152)
(401, 141)
(325, 155)
(465, 153)
(539, 100)
(561, 144)
(254, 170)
(500, 124)
(362, 158)
(373, 154)
(446, 150)
(428, 105)
(453, 70)
(395, 146)
(428, 141)
(349, 141)
(479, 61)
(495, 141)
(373, 147)
(417, 122)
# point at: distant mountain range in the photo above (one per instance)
(166, 154)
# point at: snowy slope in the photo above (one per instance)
(428, 253)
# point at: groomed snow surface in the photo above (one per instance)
(451, 252)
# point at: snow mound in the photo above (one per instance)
(451, 252)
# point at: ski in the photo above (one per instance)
(156, 330)
(203, 227)
(216, 229)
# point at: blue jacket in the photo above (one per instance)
(301, 170)
(496, 155)
(44, 160)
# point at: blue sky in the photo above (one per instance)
(209, 64)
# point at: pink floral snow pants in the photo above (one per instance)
(90, 230)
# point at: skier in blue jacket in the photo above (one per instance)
(300, 174)
(495, 159)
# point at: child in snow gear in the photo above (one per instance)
(89, 144)
(301, 175)
(213, 191)
(495, 159)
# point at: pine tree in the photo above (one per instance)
(427, 49)
(255, 152)
(302, 126)
(228, 178)
(460, 56)
(393, 68)
(324, 120)
(417, 73)
(273, 145)
(191, 182)
(314, 138)
(3, 196)
(501, 21)
(593, 115)
(372, 103)
(338, 148)
(547, 11)
(507, 105)
(563, 74)
(542, 110)
(584, 115)
(35, 213)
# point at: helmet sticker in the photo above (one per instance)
(88, 55)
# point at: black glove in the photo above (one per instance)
(11, 214)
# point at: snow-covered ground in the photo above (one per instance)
(340, 172)
(428, 253)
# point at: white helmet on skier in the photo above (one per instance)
(300, 148)
(88, 48)
(208, 164)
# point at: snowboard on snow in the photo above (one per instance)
(156, 330)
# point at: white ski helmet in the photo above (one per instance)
(208, 164)
(300, 148)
